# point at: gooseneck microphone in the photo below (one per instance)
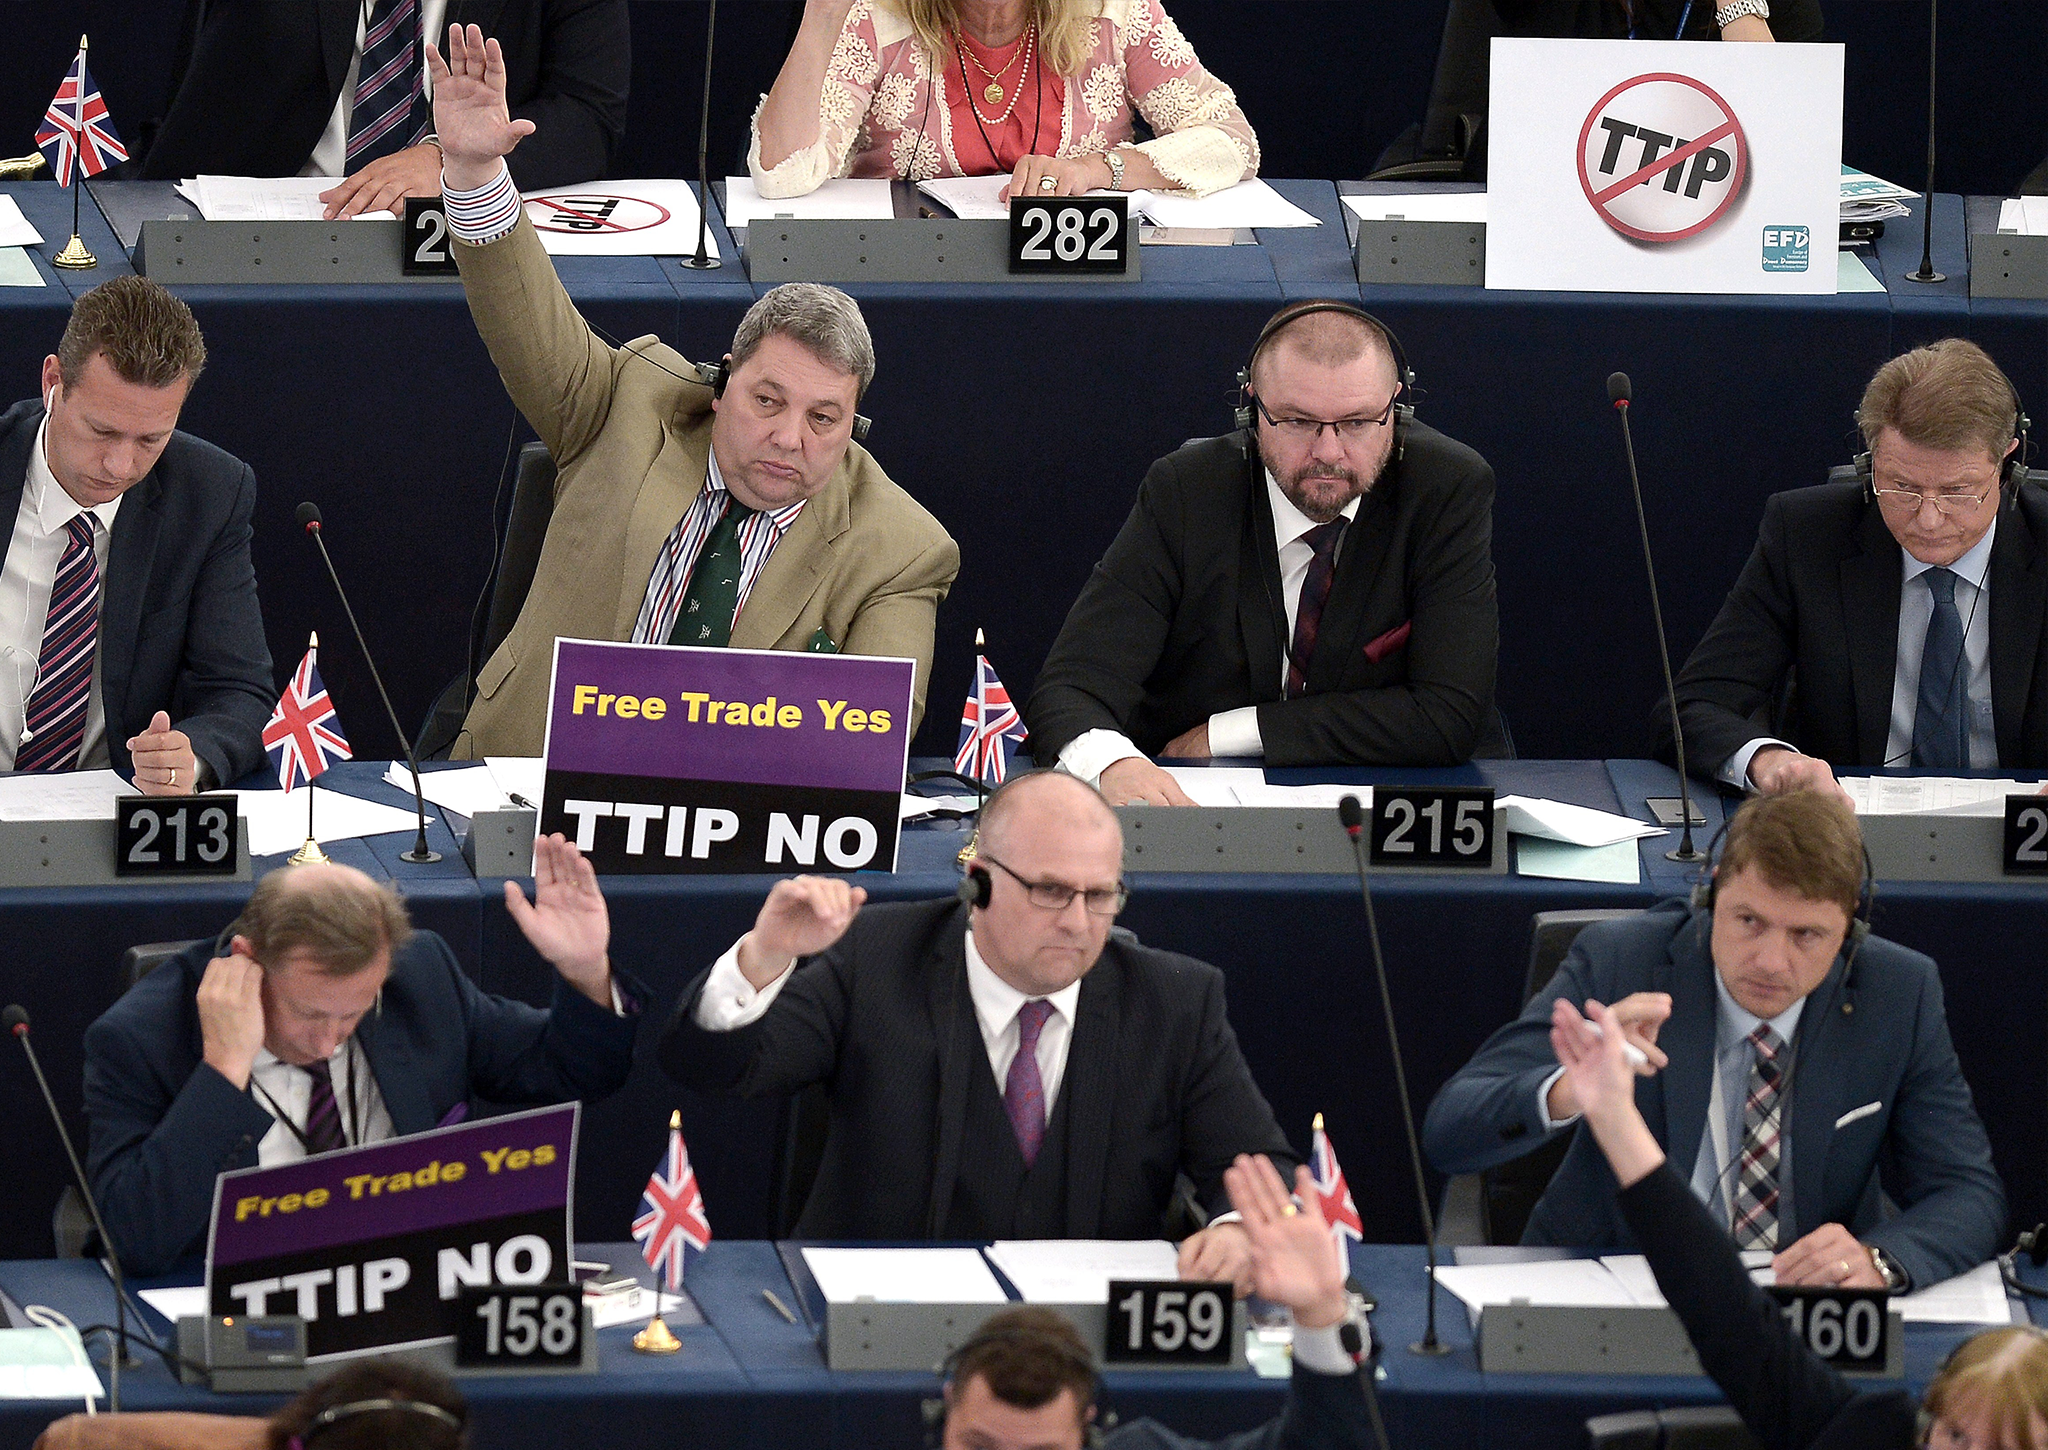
(1927, 272)
(15, 1020)
(421, 854)
(1352, 815)
(1618, 392)
(704, 261)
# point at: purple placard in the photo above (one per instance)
(796, 742)
(367, 1209)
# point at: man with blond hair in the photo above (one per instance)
(130, 635)
(1896, 618)
(320, 1020)
(1793, 1065)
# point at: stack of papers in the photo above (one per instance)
(277, 821)
(857, 199)
(1233, 785)
(1931, 795)
(264, 198)
(917, 807)
(520, 777)
(1573, 825)
(1866, 198)
(465, 791)
(1248, 204)
(904, 1276)
(2026, 216)
(79, 795)
(1078, 1271)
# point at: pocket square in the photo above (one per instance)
(1854, 1113)
(1386, 644)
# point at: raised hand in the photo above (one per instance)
(567, 921)
(1600, 1080)
(802, 915)
(1293, 1260)
(470, 118)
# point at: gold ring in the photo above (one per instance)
(1289, 1211)
(1845, 1267)
(1047, 183)
(174, 775)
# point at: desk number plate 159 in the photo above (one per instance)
(194, 835)
(1169, 1321)
(1849, 1328)
(1055, 234)
(1432, 826)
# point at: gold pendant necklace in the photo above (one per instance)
(993, 91)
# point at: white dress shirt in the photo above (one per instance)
(1236, 731)
(278, 1086)
(41, 529)
(330, 152)
(1916, 611)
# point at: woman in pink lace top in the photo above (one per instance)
(1042, 90)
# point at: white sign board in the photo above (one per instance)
(1664, 166)
(618, 219)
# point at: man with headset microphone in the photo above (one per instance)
(1896, 615)
(1793, 1065)
(1314, 589)
(712, 506)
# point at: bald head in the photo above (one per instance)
(1048, 800)
(334, 915)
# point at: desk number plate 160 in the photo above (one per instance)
(1432, 826)
(1070, 234)
(1849, 1328)
(1169, 1321)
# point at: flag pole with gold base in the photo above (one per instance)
(309, 854)
(74, 257)
(657, 1337)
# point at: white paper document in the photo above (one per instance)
(904, 1276)
(1549, 1281)
(78, 795)
(277, 821)
(519, 775)
(1883, 795)
(46, 1364)
(917, 807)
(1251, 203)
(1574, 825)
(2026, 215)
(15, 229)
(629, 1306)
(1419, 206)
(1216, 786)
(1975, 1297)
(464, 791)
(176, 1304)
(1302, 797)
(969, 197)
(264, 198)
(1619, 863)
(1078, 1271)
(850, 197)
(650, 218)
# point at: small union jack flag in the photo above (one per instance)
(991, 730)
(1333, 1196)
(672, 1226)
(304, 737)
(77, 129)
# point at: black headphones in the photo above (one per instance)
(1404, 413)
(1023, 1336)
(333, 1414)
(975, 887)
(2012, 469)
(714, 375)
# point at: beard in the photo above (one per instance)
(1322, 491)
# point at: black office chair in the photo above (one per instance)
(1449, 144)
(526, 527)
(70, 1224)
(1493, 1207)
(1701, 1427)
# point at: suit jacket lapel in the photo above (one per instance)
(1361, 559)
(480, 13)
(404, 1092)
(131, 556)
(797, 567)
(1261, 610)
(1817, 1097)
(338, 21)
(672, 484)
(14, 474)
(1092, 1090)
(2019, 598)
(1870, 617)
(961, 1054)
(1688, 1040)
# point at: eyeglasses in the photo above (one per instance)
(1910, 501)
(1056, 896)
(1310, 430)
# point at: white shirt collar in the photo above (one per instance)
(782, 518)
(1973, 566)
(996, 1002)
(54, 508)
(1289, 522)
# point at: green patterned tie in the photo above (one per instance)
(713, 597)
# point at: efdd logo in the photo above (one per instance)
(1662, 158)
(1786, 249)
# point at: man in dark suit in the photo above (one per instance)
(267, 89)
(321, 1020)
(130, 634)
(1905, 614)
(1786, 1056)
(1315, 589)
(997, 1066)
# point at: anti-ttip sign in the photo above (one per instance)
(1662, 157)
(372, 1246)
(664, 758)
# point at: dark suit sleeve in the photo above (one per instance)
(1095, 675)
(1435, 716)
(1728, 681)
(1323, 1412)
(521, 1054)
(1224, 1112)
(578, 107)
(1788, 1398)
(793, 1044)
(1937, 1161)
(225, 690)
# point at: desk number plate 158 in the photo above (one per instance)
(1432, 826)
(194, 835)
(1070, 234)
(1849, 1328)
(1169, 1321)
(510, 1328)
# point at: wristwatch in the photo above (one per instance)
(1116, 170)
(1734, 10)
(1895, 1278)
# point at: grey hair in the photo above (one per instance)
(823, 319)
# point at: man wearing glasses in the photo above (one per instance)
(1908, 603)
(998, 1065)
(1314, 589)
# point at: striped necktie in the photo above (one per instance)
(323, 1116)
(1756, 1188)
(55, 712)
(390, 105)
(1315, 593)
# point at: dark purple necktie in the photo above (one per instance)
(1024, 1091)
(323, 1116)
(1315, 592)
(55, 711)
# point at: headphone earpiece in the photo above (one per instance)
(975, 887)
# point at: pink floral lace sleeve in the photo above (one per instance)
(1202, 141)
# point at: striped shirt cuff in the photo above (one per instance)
(485, 214)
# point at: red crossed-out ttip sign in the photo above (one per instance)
(1662, 157)
(594, 212)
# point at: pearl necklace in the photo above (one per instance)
(994, 92)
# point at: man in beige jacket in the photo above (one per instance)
(689, 509)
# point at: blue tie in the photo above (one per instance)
(1940, 735)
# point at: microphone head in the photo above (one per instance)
(1350, 813)
(308, 515)
(1618, 390)
(15, 1020)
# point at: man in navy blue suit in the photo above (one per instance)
(1793, 1065)
(130, 634)
(319, 1020)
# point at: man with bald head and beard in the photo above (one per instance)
(1314, 589)
(998, 1064)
